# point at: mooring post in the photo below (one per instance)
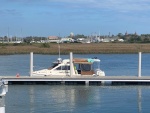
(139, 69)
(71, 64)
(31, 63)
(87, 83)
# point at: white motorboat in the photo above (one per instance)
(3, 88)
(2, 104)
(81, 67)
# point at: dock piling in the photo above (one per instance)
(31, 63)
(71, 64)
(139, 67)
(87, 83)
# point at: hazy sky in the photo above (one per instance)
(60, 17)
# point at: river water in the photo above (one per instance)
(77, 99)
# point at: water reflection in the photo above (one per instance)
(139, 100)
(75, 99)
(60, 98)
(31, 90)
(85, 98)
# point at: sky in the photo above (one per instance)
(61, 17)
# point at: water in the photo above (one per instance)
(112, 64)
(76, 99)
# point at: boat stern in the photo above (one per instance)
(99, 72)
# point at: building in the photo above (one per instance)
(54, 39)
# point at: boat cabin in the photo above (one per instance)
(80, 67)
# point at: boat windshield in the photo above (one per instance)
(54, 64)
(96, 65)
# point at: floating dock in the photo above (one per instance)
(77, 80)
(80, 80)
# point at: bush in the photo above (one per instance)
(19, 44)
(3, 44)
(45, 45)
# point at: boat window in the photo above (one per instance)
(76, 66)
(54, 65)
(59, 68)
(85, 67)
(63, 68)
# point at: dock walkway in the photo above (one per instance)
(114, 80)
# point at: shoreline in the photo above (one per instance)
(76, 48)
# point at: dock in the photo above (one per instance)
(77, 80)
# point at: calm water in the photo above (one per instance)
(77, 99)
(112, 64)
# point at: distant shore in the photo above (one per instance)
(76, 48)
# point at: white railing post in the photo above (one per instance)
(71, 64)
(31, 63)
(139, 68)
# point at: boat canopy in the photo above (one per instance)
(85, 61)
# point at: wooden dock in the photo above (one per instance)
(78, 80)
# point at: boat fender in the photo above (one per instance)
(17, 75)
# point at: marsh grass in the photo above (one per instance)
(76, 48)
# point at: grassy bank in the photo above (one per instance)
(76, 48)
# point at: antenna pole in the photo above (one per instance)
(59, 49)
(99, 36)
(8, 35)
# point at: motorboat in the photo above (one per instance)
(80, 67)
(3, 88)
(2, 104)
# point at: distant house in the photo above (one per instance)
(120, 40)
(106, 40)
(66, 40)
(109, 39)
(17, 42)
(80, 39)
(53, 39)
(83, 40)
